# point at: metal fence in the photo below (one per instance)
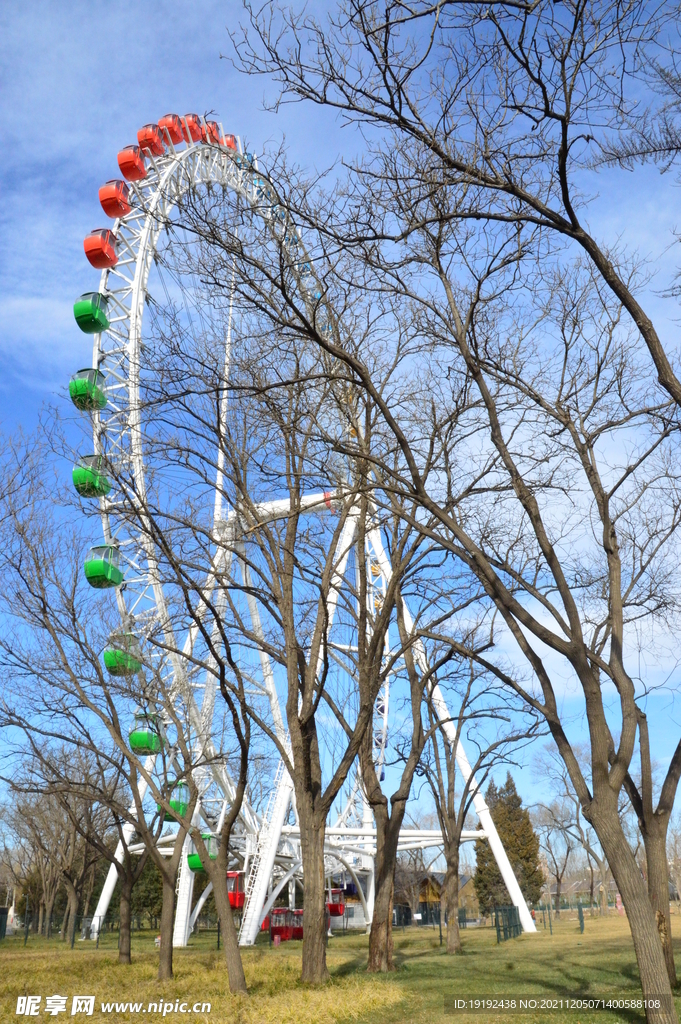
(507, 922)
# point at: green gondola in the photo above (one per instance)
(120, 659)
(211, 842)
(145, 737)
(91, 312)
(179, 802)
(102, 567)
(86, 389)
(89, 476)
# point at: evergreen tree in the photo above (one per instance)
(147, 895)
(522, 848)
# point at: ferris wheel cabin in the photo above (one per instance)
(120, 658)
(89, 477)
(100, 249)
(102, 567)
(131, 163)
(335, 904)
(114, 196)
(150, 138)
(172, 124)
(193, 126)
(210, 132)
(86, 389)
(211, 844)
(91, 312)
(145, 735)
(236, 889)
(179, 803)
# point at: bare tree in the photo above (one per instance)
(551, 375)
(552, 824)
(553, 767)
(491, 721)
(57, 843)
(498, 111)
(413, 866)
(76, 776)
(26, 823)
(58, 654)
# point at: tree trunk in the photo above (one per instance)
(644, 932)
(48, 918)
(591, 887)
(381, 935)
(88, 894)
(124, 919)
(312, 832)
(557, 901)
(604, 891)
(65, 921)
(72, 911)
(230, 938)
(41, 915)
(165, 960)
(655, 839)
(451, 892)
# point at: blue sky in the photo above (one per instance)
(76, 82)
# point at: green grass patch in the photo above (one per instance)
(599, 963)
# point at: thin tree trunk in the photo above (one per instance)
(312, 831)
(165, 960)
(48, 917)
(557, 901)
(655, 839)
(88, 891)
(604, 892)
(591, 886)
(644, 932)
(41, 914)
(451, 891)
(124, 940)
(72, 911)
(65, 921)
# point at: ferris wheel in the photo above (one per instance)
(142, 273)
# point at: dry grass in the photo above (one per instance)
(276, 995)
(601, 962)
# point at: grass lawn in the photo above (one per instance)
(600, 962)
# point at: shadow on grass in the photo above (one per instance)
(355, 965)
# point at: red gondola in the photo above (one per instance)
(100, 248)
(210, 132)
(297, 928)
(235, 889)
(172, 124)
(114, 197)
(131, 163)
(150, 139)
(335, 905)
(192, 123)
(229, 141)
(281, 923)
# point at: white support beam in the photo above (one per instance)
(481, 808)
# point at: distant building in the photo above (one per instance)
(429, 890)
